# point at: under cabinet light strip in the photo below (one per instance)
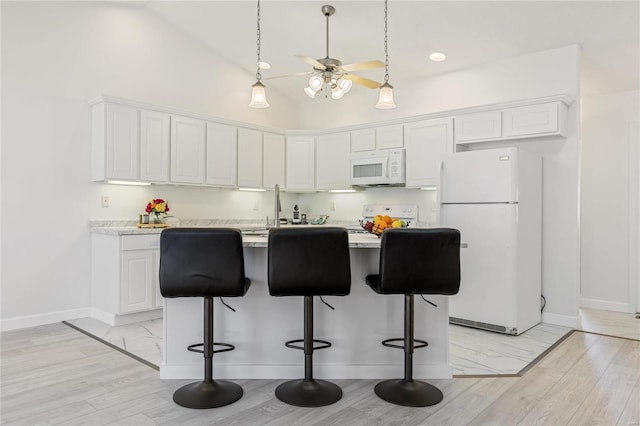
(127, 182)
(252, 189)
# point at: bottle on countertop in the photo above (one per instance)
(296, 215)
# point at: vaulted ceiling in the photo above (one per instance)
(469, 32)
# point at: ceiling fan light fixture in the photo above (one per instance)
(258, 96)
(345, 84)
(385, 98)
(310, 92)
(315, 82)
(337, 93)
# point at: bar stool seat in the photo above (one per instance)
(207, 263)
(415, 261)
(308, 262)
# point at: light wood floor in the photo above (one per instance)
(56, 375)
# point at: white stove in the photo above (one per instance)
(406, 212)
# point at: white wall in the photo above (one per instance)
(546, 73)
(607, 156)
(55, 55)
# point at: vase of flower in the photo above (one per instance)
(157, 209)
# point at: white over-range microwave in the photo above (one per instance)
(372, 168)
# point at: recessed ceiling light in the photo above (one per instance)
(437, 56)
(264, 65)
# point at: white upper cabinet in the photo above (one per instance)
(249, 158)
(534, 120)
(273, 160)
(300, 163)
(425, 143)
(187, 150)
(478, 127)
(363, 140)
(388, 137)
(385, 137)
(114, 142)
(222, 155)
(332, 161)
(154, 146)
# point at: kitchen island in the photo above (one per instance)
(262, 323)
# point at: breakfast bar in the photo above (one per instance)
(261, 324)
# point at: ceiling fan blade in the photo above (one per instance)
(363, 65)
(371, 84)
(311, 61)
(287, 75)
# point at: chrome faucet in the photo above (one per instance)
(278, 207)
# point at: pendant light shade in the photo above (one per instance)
(258, 93)
(385, 98)
(258, 96)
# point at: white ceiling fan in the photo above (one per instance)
(331, 73)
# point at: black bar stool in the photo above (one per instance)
(415, 261)
(308, 262)
(208, 263)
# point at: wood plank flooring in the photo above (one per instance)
(54, 374)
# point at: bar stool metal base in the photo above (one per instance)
(216, 393)
(411, 393)
(308, 392)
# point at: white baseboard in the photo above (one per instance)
(115, 320)
(256, 371)
(26, 321)
(604, 305)
(563, 320)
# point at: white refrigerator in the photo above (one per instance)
(494, 197)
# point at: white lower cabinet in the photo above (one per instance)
(425, 143)
(124, 277)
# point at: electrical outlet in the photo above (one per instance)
(256, 205)
(333, 205)
(104, 201)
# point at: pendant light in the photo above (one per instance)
(385, 98)
(258, 94)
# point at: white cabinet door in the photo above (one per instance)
(425, 143)
(363, 140)
(249, 158)
(531, 120)
(137, 280)
(300, 163)
(332, 161)
(478, 127)
(187, 150)
(222, 155)
(121, 147)
(389, 137)
(154, 146)
(273, 157)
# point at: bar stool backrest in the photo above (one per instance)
(309, 262)
(202, 262)
(420, 261)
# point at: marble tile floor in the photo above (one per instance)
(472, 351)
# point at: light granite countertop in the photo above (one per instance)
(118, 228)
